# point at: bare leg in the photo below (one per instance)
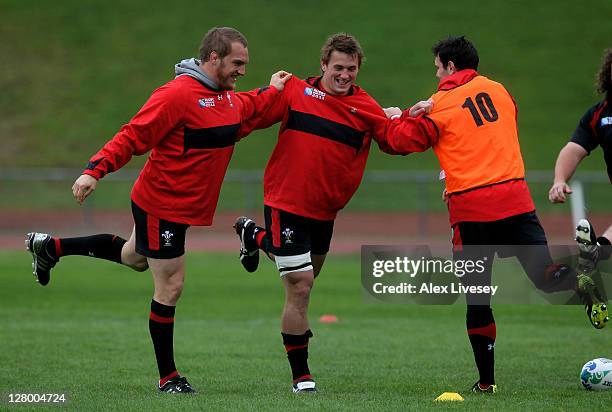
(297, 297)
(130, 258)
(168, 277)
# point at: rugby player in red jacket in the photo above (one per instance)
(313, 172)
(190, 125)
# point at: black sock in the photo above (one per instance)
(481, 331)
(104, 246)
(297, 353)
(605, 248)
(161, 327)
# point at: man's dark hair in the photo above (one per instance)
(459, 50)
(343, 43)
(220, 39)
(604, 82)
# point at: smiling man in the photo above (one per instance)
(190, 125)
(314, 170)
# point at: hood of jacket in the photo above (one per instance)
(191, 67)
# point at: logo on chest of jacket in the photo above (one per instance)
(207, 102)
(606, 121)
(312, 92)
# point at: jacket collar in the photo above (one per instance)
(457, 79)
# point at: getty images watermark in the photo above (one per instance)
(429, 266)
(480, 275)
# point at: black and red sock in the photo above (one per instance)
(262, 240)
(161, 327)
(482, 332)
(103, 246)
(296, 347)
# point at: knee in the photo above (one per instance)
(175, 285)
(171, 291)
(140, 266)
(133, 260)
(300, 291)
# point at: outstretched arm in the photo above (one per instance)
(569, 158)
(401, 133)
(419, 108)
(263, 107)
(159, 115)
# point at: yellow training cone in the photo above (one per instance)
(449, 396)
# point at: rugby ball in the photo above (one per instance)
(597, 374)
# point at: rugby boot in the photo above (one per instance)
(305, 386)
(43, 260)
(249, 252)
(478, 388)
(588, 247)
(596, 307)
(178, 384)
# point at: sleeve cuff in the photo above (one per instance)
(93, 173)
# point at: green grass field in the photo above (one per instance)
(86, 335)
(80, 69)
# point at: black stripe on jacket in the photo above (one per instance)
(210, 137)
(328, 129)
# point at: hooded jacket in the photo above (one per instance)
(190, 126)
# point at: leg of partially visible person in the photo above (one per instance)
(607, 235)
(534, 255)
(46, 251)
(605, 243)
(592, 248)
(531, 249)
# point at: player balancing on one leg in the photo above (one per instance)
(473, 131)
(314, 170)
(190, 124)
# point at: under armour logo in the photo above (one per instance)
(491, 346)
(167, 235)
(288, 233)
